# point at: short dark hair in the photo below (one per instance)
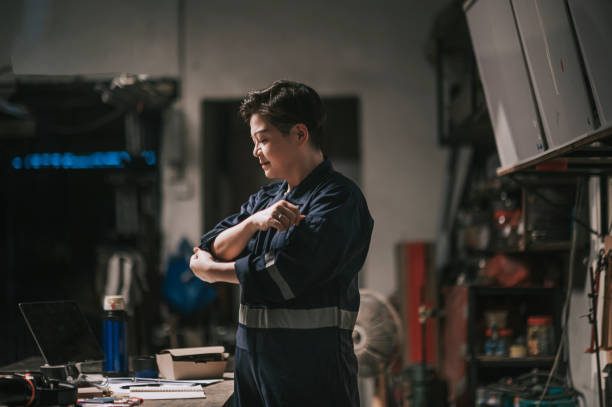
(285, 104)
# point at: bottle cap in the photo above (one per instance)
(539, 320)
(500, 332)
(114, 303)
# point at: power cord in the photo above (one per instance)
(568, 295)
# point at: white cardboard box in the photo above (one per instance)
(206, 362)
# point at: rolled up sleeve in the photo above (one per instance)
(246, 210)
(309, 254)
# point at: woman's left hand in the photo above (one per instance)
(201, 264)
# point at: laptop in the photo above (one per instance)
(61, 332)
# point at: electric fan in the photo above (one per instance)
(377, 336)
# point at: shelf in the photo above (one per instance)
(504, 361)
(514, 291)
(532, 248)
(547, 247)
(589, 162)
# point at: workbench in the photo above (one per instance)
(217, 395)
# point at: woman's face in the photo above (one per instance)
(275, 151)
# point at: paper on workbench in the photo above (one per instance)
(170, 390)
(143, 380)
(164, 392)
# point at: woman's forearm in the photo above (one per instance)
(225, 273)
(207, 269)
(231, 242)
(222, 272)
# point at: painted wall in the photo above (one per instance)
(372, 50)
(66, 37)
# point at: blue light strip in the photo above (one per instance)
(71, 161)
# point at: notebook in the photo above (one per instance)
(167, 392)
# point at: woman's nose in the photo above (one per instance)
(256, 150)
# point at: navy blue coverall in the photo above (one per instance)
(299, 295)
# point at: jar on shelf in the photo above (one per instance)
(540, 336)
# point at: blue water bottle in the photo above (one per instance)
(114, 334)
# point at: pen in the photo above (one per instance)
(97, 400)
(128, 386)
(107, 401)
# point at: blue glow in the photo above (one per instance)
(34, 161)
(149, 157)
(17, 163)
(67, 160)
(125, 156)
(98, 159)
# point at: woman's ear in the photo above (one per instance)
(301, 131)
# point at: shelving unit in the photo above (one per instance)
(520, 304)
(475, 233)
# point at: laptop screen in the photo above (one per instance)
(61, 332)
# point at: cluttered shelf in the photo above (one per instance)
(510, 329)
(513, 217)
(505, 361)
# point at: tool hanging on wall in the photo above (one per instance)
(606, 317)
(602, 265)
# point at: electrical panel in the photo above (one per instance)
(594, 33)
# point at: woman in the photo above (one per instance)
(295, 248)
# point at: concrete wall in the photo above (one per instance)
(370, 49)
(66, 37)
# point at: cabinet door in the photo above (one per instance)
(592, 22)
(505, 80)
(554, 67)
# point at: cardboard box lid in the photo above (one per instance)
(204, 350)
(198, 355)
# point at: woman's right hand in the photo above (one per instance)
(281, 216)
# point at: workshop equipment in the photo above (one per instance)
(526, 391)
(34, 389)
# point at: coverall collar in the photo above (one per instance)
(303, 189)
